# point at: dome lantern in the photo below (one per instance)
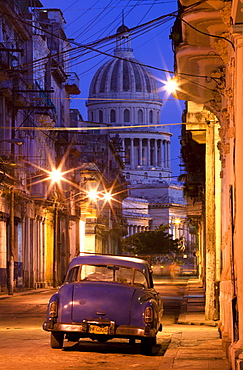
(123, 42)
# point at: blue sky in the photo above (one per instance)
(89, 21)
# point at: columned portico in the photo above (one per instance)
(148, 152)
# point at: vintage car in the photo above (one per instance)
(105, 297)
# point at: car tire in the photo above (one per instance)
(132, 341)
(146, 347)
(154, 341)
(57, 339)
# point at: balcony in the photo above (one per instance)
(58, 71)
(201, 52)
(72, 84)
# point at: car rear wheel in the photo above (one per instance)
(57, 339)
(132, 341)
(146, 346)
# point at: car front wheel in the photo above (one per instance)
(57, 339)
(146, 347)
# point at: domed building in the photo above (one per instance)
(124, 94)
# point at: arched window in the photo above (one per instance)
(128, 175)
(140, 116)
(92, 116)
(100, 116)
(126, 115)
(160, 176)
(145, 175)
(150, 116)
(158, 117)
(113, 115)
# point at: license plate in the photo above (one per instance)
(95, 329)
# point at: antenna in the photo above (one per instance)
(123, 16)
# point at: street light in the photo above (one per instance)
(13, 141)
(171, 85)
(55, 176)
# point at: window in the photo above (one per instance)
(126, 115)
(128, 175)
(145, 175)
(140, 279)
(113, 115)
(150, 116)
(92, 116)
(73, 275)
(100, 116)
(109, 273)
(140, 116)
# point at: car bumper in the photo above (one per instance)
(82, 329)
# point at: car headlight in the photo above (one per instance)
(53, 309)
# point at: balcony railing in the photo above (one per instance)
(72, 84)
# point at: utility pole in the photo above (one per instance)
(11, 245)
(55, 242)
(10, 272)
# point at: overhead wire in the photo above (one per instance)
(89, 47)
(93, 21)
(99, 41)
(107, 40)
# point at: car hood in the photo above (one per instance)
(109, 301)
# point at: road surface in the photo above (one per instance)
(24, 345)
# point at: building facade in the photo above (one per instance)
(207, 40)
(42, 218)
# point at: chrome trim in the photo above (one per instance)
(120, 331)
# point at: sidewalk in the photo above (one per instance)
(196, 345)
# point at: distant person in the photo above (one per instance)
(174, 270)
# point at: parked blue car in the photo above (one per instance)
(105, 297)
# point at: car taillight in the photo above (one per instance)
(148, 315)
(53, 309)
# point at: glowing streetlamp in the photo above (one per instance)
(92, 195)
(13, 141)
(177, 221)
(171, 85)
(55, 176)
(107, 197)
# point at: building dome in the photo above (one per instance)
(124, 75)
(122, 28)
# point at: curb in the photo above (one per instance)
(26, 292)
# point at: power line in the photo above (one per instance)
(98, 128)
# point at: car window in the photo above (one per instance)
(73, 275)
(107, 273)
(140, 279)
(112, 273)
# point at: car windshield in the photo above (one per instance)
(107, 273)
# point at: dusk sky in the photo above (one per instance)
(89, 21)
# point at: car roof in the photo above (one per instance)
(133, 262)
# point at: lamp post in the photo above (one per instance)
(55, 242)
(55, 176)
